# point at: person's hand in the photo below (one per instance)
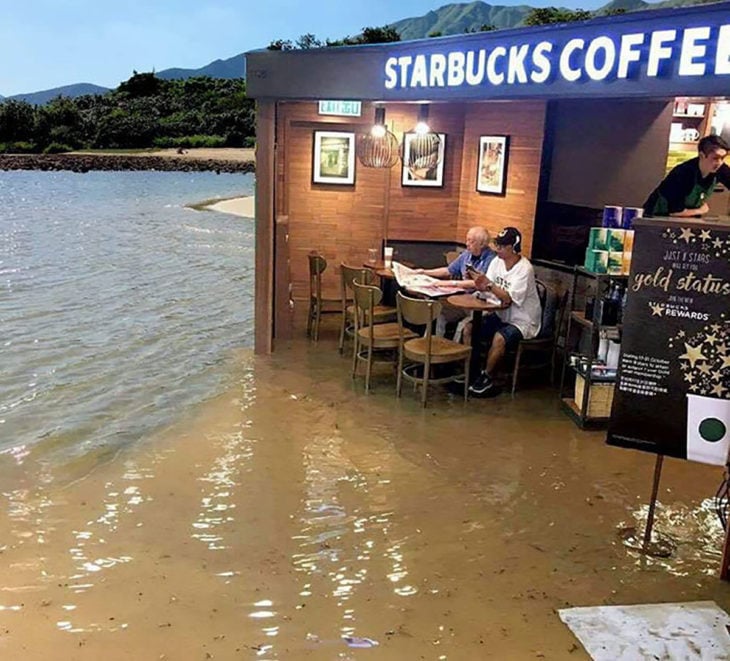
(482, 283)
(704, 208)
(420, 271)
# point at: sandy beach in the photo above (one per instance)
(238, 206)
(293, 512)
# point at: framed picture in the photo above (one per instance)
(423, 159)
(334, 158)
(492, 164)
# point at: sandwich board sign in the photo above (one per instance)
(673, 385)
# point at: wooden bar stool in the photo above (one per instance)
(318, 305)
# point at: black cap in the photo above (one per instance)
(509, 236)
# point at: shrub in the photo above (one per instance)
(20, 147)
(249, 142)
(57, 148)
(191, 141)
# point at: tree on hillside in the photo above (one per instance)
(484, 27)
(281, 44)
(307, 41)
(552, 15)
(16, 121)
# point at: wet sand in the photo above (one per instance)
(295, 510)
(237, 206)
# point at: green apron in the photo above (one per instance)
(693, 200)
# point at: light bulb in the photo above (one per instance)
(422, 128)
(378, 131)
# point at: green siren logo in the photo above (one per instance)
(708, 421)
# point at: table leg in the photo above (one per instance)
(475, 366)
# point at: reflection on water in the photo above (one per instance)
(292, 517)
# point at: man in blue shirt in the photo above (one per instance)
(477, 255)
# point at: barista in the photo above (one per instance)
(684, 191)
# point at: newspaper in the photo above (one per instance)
(418, 283)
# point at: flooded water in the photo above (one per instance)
(118, 305)
(294, 517)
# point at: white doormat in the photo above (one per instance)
(692, 630)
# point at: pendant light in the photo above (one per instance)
(379, 147)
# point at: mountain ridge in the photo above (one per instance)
(452, 18)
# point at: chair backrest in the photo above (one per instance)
(365, 298)
(418, 312)
(451, 255)
(317, 265)
(553, 306)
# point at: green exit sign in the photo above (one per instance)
(344, 108)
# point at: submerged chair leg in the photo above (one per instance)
(424, 383)
(310, 317)
(369, 368)
(317, 319)
(466, 378)
(516, 369)
(355, 355)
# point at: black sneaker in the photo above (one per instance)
(483, 386)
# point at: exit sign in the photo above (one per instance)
(344, 108)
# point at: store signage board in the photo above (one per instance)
(340, 108)
(647, 54)
(673, 387)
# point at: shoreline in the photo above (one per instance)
(241, 205)
(219, 161)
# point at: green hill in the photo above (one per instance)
(458, 18)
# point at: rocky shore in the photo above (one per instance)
(116, 162)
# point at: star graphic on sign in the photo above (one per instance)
(718, 390)
(725, 362)
(711, 339)
(689, 377)
(705, 235)
(693, 354)
(681, 333)
(686, 234)
(657, 309)
(704, 368)
(717, 243)
(721, 348)
(715, 328)
(694, 387)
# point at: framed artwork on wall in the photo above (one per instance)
(333, 158)
(492, 164)
(423, 159)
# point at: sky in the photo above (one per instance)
(50, 43)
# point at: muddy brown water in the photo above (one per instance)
(295, 511)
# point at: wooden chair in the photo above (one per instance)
(371, 337)
(553, 308)
(427, 350)
(318, 305)
(365, 276)
(451, 255)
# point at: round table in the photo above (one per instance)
(477, 306)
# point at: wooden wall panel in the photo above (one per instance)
(342, 222)
(524, 123)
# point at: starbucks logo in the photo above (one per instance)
(712, 430)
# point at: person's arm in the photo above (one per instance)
(440, 272)
(690, 213)
(485, 283)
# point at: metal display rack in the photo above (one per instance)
(578, 325)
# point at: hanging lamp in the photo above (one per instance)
(379, 148)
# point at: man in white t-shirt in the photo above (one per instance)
(511, 278)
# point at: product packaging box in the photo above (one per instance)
(615, 263)
(616, 239)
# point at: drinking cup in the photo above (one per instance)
(372, 255)
(388, 257)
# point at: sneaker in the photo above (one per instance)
(483, 386)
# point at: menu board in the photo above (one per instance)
(673, 386)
